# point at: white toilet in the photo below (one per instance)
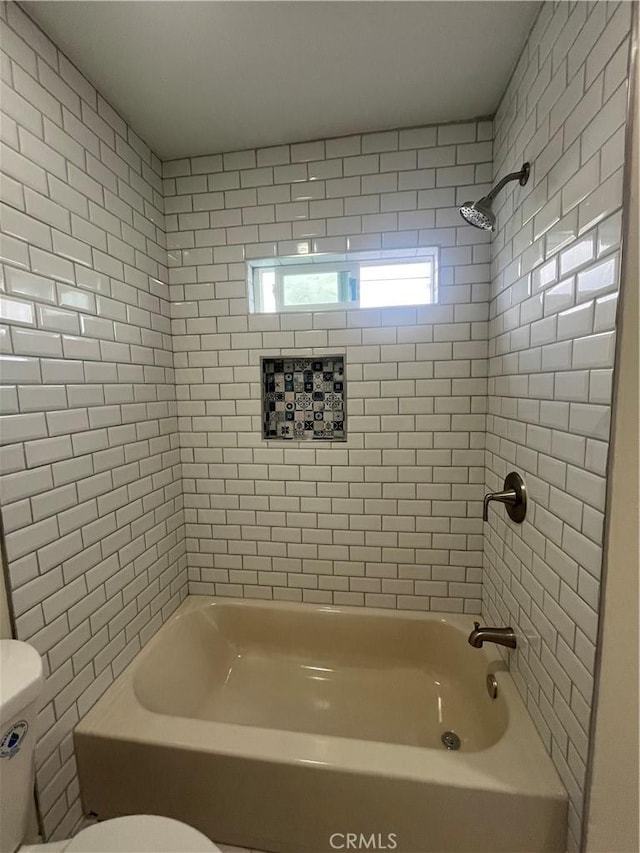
(21, 683)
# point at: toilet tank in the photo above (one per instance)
(21, 683)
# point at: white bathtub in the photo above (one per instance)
(285, 727)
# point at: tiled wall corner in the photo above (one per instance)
(555, 263)
(91, 492)
(392, 516)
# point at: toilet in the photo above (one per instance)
(21, 684)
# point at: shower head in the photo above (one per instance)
(479, 213)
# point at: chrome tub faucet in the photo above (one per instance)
(501, 636)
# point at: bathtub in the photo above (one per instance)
(295, 728)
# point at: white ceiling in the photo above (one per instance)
(203, 77)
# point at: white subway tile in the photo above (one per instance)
(30, 538)
(594, 351)
(31, 342)
(576, 321)
(597, 279)
(19, 369)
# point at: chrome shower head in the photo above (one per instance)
(479, 213)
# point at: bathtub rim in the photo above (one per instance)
(517, 762)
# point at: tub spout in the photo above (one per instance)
(501, 636)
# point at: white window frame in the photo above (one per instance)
(350, 264)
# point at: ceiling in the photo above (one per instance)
(203, 77)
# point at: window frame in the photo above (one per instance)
(350, 264)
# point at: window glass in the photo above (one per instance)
(359, 280)
(312, 288)
(384, 285)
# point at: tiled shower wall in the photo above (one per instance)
(555, 265)
(91, 493)
(391, 517)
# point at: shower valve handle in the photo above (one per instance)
(514, 496)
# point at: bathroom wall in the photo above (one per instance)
(391, 518)
(612, 819)
(91, 495)
(555, 272)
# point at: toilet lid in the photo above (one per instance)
(141, 834)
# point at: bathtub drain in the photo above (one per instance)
(451, 740)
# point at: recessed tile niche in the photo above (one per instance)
(303, 399)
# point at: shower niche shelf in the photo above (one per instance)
(304, 399)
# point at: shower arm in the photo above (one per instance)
(522, 176)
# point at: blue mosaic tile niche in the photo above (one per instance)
(303, 399)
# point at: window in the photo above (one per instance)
(325, 283)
